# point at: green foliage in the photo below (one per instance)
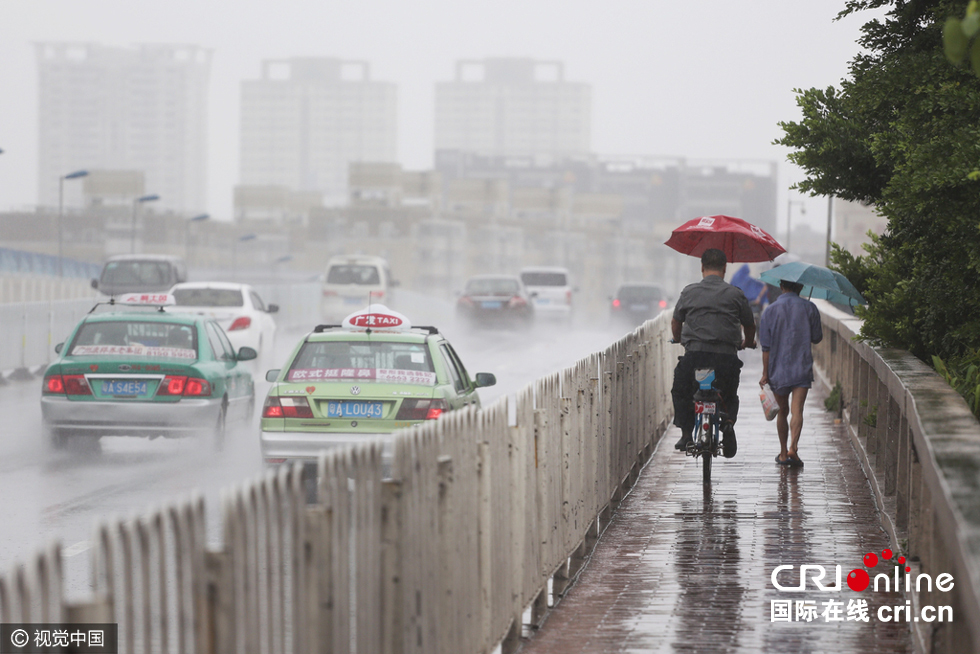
(963, 374)
(958, 34)
(903, 133)
(833, 401)
(871, 418)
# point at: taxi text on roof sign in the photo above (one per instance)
(377, 316)
(152, 299)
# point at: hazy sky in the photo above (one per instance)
(706, 79)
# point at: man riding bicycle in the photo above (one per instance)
(708, 321)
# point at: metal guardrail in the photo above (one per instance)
(480, 514)
(30, 330)
(34, 263)
(920, 446)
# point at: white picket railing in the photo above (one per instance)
(445, 556)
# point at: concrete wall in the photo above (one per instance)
(920, 446)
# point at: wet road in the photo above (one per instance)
(682, 568)
(46, 495)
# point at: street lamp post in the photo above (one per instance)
(136, 203)
(789, 219)
(187, 234)
(61, 211)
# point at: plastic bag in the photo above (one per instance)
(769, 406)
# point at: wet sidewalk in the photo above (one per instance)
(681, 568)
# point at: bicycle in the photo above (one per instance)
(707, 439)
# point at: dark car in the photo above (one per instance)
(495, 301)
(140, 273)
(635, 303)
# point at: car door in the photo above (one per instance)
(465, 389)
(238, 380)
(265, 318)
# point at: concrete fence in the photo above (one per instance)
(487, 513)
(920, 447)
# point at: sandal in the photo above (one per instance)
(783, 462)
(794, 460)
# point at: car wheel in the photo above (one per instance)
(220, 429)
(57, 438)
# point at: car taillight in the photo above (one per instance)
(616, 303)
(568, 296)
(466, 300)
(286, 407)
(329, 293)
(54, 384)
(186, 386)
(412, 409)
(242, 322)
(517, 301)
(197, 387)
(67, 384)
(663, 304)
(377, 295)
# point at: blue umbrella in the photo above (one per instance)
(818, 282)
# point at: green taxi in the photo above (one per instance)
(362, 380)
(133, 367)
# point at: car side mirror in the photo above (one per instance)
(272, 308)
(484, 379)
(58, 348)
(272, 375)
(533, 294)
(575, 289)
(394, 283)
(247, 354)
(95, 283)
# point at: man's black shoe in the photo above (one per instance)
(729, 445)
(684, 441)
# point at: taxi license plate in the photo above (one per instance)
(639, 307)
(704, 407)
(354, 409)
(491, 305)
(126, 388)
(353, 300)
(541, 300)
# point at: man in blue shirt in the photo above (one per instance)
(708, 321)
(786, 331)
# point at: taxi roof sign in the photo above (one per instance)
(377, 317)
(146, 299)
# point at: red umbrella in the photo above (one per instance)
(739, 240)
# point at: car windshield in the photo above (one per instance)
(208, 297)
(492, 287)
(126, 273)
(383, 361)
(353, 274)
(135, 338)
(544, 279)
(640, 294)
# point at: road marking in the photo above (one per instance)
(77, 548)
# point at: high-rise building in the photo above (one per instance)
(513, 107)
(142, 109)
(307, 119)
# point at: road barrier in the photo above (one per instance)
(920, 447)
(30, 330)
(485, 509)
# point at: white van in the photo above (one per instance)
(551, 288)
(352, 282)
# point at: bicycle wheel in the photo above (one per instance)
(706, 467)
